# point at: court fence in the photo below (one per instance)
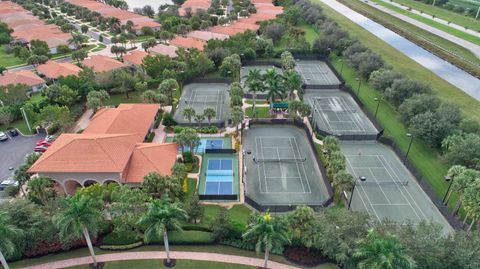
(446, 212)
(284, 208)
(218, 197)
(220, 151)
(316, 57)
(207, 80)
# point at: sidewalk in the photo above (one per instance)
(83, 121)
(148, 255)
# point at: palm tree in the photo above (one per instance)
(209, 113)
(254, 83)
(168, 86)
(268, 234)
(7, 231)
(199, 118)
(161, 217)
(189, 113)
(454, 171)
(293, 82)
(376, 252)
(81, 217)
(77, 40)
(342, 181)
(273, 84)
(237, 117)
(461, 183)
(293, 107)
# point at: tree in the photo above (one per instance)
(471, 202)
(13, 94)
(383, 78)
(188, 137)
(275, 32)
(302, 226)
(453, 172)
(305, 110)
(274, 84)
(288, 62)
(126, 82)
(147, 31)
(79, 55)
(84, 29)
(61, 95)
(431, 127)
(221, 226)
(209, 113)
(255, 84)
(8, 231)
(199, 118)
(375, 252)
(37, 60)
(161, 217)
(189, 113)
(342, 181)
(81, 217)
(168, 87)
(149, 97)
(293, 107)
(179, 171)
(5, 117)
(41, 190)
(2, 70)
(293, 82)
(402, 89)
(77, 40)
(417, 104)
(268, 234)
(101, 95)
(462, 181)
(231, 66)
(236, 117)
(59, 116)
(463, 149)
(194, 209)
(160, 186)
(148, 11)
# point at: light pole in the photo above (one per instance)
(341, 68)
(358, 88)
(447, 179)
(409, 145)
(26, 119)
(378, 100)
(362, 178)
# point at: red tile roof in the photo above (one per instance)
(226, 30)
(101, 63)
(148, 157)
(205, 35)
(194, 5)
(166, 50)
(135, 57)
(187, 43)
(54, 70)
(25, 77)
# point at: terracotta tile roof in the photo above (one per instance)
(245, 26)
(101, 63)
(187, 43)
(54, 70)
(226, 30)
(194, 5)
(26, 77)
(166, 50)
(135, 57)
(205, 35)
(126, 118)
(148, 157)
(94, 153)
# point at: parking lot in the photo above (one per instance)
(12, 154)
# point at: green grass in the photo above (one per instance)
(9, 60)
(407, 66)
(442, 13)
(119, 98)
(191, 188)
(181, 264)
(458, 52)
(311, 32)
(19, 124)
(262, 112)
(206, 248)
(431, 22)
(258, 102)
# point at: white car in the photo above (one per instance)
(8, 182)
(3, 136)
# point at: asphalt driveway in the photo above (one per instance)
(12, 153)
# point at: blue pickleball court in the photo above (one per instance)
(219, 177)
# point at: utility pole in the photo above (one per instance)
(26, 119)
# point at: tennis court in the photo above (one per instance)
(280, 168)
(263, 69)
(336, 112)
(200, 96)
(316, 73)
(219, 175)
(389, 191)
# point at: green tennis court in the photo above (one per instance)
(336, 112)
(316, 73)
(389, 191)
(200, 96)
(280, 167)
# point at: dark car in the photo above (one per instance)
(13, 132)
(3, 136)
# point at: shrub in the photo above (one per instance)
(12, 191)
(177, 129)
(188, 238)
(52, 129)
(168, 120)
(116, 239)
(305, 256)
(189, 167)
(158, 120)
(194, 227)
(121, 247)
(188, 157)
(150, 137)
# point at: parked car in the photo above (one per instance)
(40, 148)
(45, 143)
(8, 182)
(3, 136)
(13, 132)
(50, 138)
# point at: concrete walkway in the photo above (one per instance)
(475, 49)
(148, 255)
(83, 121)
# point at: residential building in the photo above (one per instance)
(25, 77)
(53, 70)
(101, 63)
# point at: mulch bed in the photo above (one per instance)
(305, 256)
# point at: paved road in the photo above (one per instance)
(30, 67)
(148, 255)
(475, 49)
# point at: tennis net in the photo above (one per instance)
(280, 160)
(219, 173)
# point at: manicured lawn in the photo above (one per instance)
(119, 98)
(382, 17)
(181, 264)
(431, 22)
(192, 187)
(258, 102)
(19, 124)
(310, 32)
(8, 60)
(262, 112)
(407, 66)
(203, 248)
(442, 13)
(427, 160)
